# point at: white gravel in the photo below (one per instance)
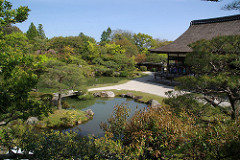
(144, 84)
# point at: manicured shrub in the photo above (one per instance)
(154, 69)
(108, 72)
(116, 74)
(86, 97)
(65, 105)
(124, 74)
(143, 68)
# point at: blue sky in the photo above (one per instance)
(163, 19)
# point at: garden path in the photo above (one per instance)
(144, 84)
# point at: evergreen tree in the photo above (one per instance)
(32, 32)
(216, 64)
(105, 37)
(41, 32)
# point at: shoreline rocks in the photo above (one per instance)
(105, 94)
(153, 103)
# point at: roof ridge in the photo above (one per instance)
(216, 20)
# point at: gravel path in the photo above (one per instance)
(144, 84)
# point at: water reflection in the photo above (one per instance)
(103, 109)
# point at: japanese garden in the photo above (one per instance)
(128, 96)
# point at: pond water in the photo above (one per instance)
(103, 108)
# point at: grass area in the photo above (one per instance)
(63, 119)
(138, 75)
(146, 96)
(100, 82)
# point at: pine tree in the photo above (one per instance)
(216, 64)
(105, 37)
(41, 32)
(32, 32)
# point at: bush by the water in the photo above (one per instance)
(86, 97)
(124, 74)
(63, 119)
(143, 68)
(151, 134)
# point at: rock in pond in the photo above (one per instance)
(105, 94)
(153, 103)
(89, 112)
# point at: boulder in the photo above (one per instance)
(137, 98)
(105, 94)
(129, 95)
(51, 51)
(89, 112)
(32, 120)
(123, 95)
(79, 122)
(153, 103)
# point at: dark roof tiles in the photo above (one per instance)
(202, 29)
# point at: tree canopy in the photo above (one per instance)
(216, 64)
(17, 71)
(32, 32)
(11, 16)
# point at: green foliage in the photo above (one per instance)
(105, 37)
(86, 97)
(8, 29)
(62, 119)
(124, 74)
(156, 58)
(114, 49)
(16, 42)
(216, 63)
(117, 122)
(63, 77)
(126, 41)
(32, 32)
(150, 134)
(17, 80)
(154, 69)
(109, 64)
(188, 102)
(143, 68)
(143, 41)
(11, 16)
(80, 45)
(41, 32)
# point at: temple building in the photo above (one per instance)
(198, 30)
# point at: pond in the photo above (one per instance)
(103, 108)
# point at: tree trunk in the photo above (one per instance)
(59, 102)
(235, 104)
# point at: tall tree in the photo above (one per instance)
(32, 32)
(143, 41)
(41, 32)
(106, 35)
(217, 67)
(10, 29)
(17, 73)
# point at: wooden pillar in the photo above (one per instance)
(168, 63)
